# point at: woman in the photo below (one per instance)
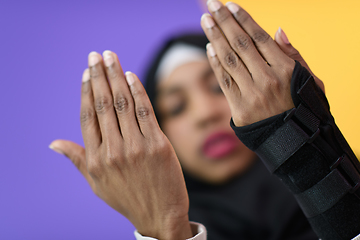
(230, 190)
(132, 166)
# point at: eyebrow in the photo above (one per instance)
(170, 91)
(207, 73)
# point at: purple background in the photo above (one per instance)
(44, 47)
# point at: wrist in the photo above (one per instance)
(169, 229)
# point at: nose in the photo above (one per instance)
(206, 110)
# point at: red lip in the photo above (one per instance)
(219, 145)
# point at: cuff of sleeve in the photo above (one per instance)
(198, 230)
(356, 238)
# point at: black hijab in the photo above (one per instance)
(195, 39)
(253, 205)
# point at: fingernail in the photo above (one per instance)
(56, 150)
(211, 50)
(108, 58)
(214, 5)
(208, 21)
(130, 78)
(233, 8)
(283, 36)
(86, 75)
(93, 59)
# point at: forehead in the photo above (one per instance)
(177, 55)
(186, 75)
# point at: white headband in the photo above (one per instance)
(178, 55)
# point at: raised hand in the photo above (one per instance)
(128, 161)
(253, 71)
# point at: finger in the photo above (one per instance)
(89, 124)
(283, 42)
(238, 39)
(144, 112)
(103, 100)
(123, 101)
(227, 57)
(76, 154)
(264, 43)
(227, 84)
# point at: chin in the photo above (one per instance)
(221, 179)
(229, 168)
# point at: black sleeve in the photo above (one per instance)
(306, 150)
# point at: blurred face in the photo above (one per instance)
(195, 116)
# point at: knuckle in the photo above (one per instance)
(134, 152)
(242, 42)
(242, 16)
(226, 80)
(270, 84)
(94, 73)
(231, 60)
(222, 16)
(163, 145)
(275, 86)
(142, 112)
(136, 92)
(113, 74)
(86, 116)
(160, 147)
(102, 104)
(111, 159)
(261, 37)
(154, 151)
(216, 64)
(95, 169)
(121, 104)
(86, 88)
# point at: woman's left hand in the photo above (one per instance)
(252, 69)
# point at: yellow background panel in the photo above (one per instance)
(327, 34)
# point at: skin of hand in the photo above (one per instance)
(128, 161)
(283, 42)
(123, 172)
(253, 70)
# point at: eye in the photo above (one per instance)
(177, 109)
(216, 88)
(214, 85)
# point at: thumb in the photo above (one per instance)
(76, 154)
(285, 45)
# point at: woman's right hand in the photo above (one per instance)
(127, 160)
(252, 70)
